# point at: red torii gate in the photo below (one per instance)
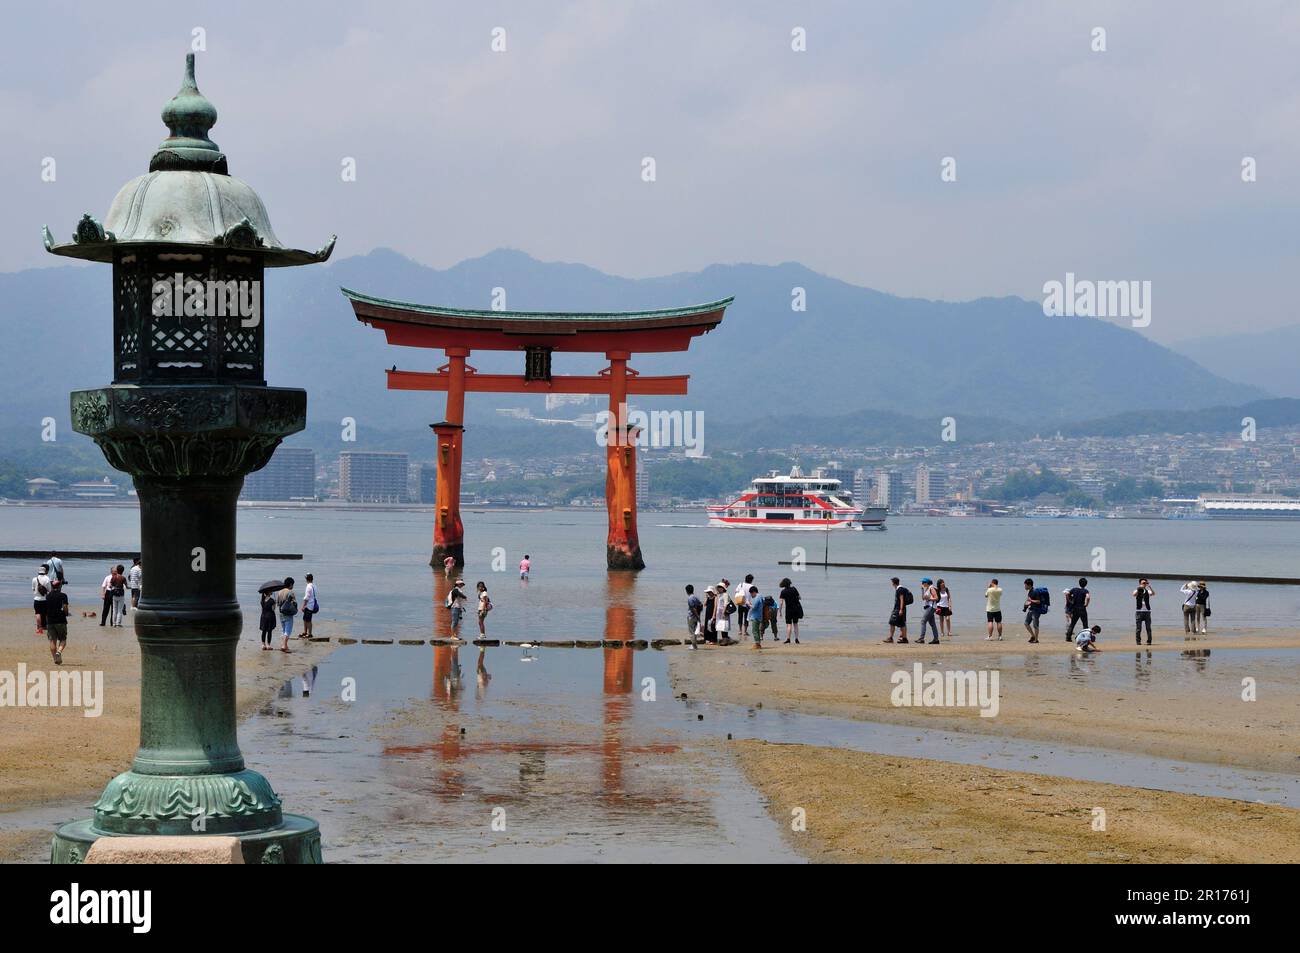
(458, 332)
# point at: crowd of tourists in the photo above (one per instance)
(936, 611)
(51, 607)
(724, 617)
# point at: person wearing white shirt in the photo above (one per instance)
(743, 602)
(106, 593)
(134, 578)
(309, 606)
(1189, 591)
(40, 589)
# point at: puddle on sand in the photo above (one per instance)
(562, 758)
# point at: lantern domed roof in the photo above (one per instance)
(188, 197)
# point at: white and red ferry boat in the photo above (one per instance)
(795, 501)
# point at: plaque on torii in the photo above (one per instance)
(537, 335)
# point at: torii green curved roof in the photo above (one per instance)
(539, 316)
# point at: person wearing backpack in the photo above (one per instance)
(929, 602)
(484, 607)
(1037, 602)
(1076, 607)
(287, 603)
(117, 589)
(40, 593)
(898, 613)
(456, 600)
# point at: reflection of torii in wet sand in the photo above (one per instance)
(618, 683)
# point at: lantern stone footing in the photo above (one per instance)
(296, 840)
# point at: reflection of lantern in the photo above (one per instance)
(188, 416)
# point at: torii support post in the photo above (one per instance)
(622, 546)
(448, 531)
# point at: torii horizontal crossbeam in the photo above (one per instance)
(516, 384)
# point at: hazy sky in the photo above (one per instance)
(1117, 165)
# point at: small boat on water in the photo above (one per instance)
(796, 502)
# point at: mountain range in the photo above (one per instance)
(853, 352)
(1266, 359)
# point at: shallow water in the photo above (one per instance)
(563, 748)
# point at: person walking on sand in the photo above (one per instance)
(106, 594)
(1142, 594)
(56, 621)
(56, 569)
(117, 589)
(40, 595)
(1034, 608)
(266, 619)
(723, 608)
(1086, 641)
(484, 607)
(792, 609)
(310, 606)
(1189, 606)
(743, 603)
(456, 602)
(929, 602)
(287, 603)
(771, 616)
(134, 582)
(525, 565)
(993, 609)
(756, 617)
(1201, 618)
(694, 609)
(898, 611)
(1076, 607)
(710, 597)
(943, 609)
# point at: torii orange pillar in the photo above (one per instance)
(622, 546)
(448, 531)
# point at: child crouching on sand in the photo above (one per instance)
(1086, 641)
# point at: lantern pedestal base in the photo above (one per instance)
(295, 841)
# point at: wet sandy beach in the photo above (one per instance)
(1178, 698)
(56, 755)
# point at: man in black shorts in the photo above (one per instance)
(898, 614)
(56, 621)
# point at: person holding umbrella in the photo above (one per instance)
(266, 623)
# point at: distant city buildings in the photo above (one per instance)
(889, 489)
(373, 477)
(290, 475)
(931, 485)
(642, 485)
